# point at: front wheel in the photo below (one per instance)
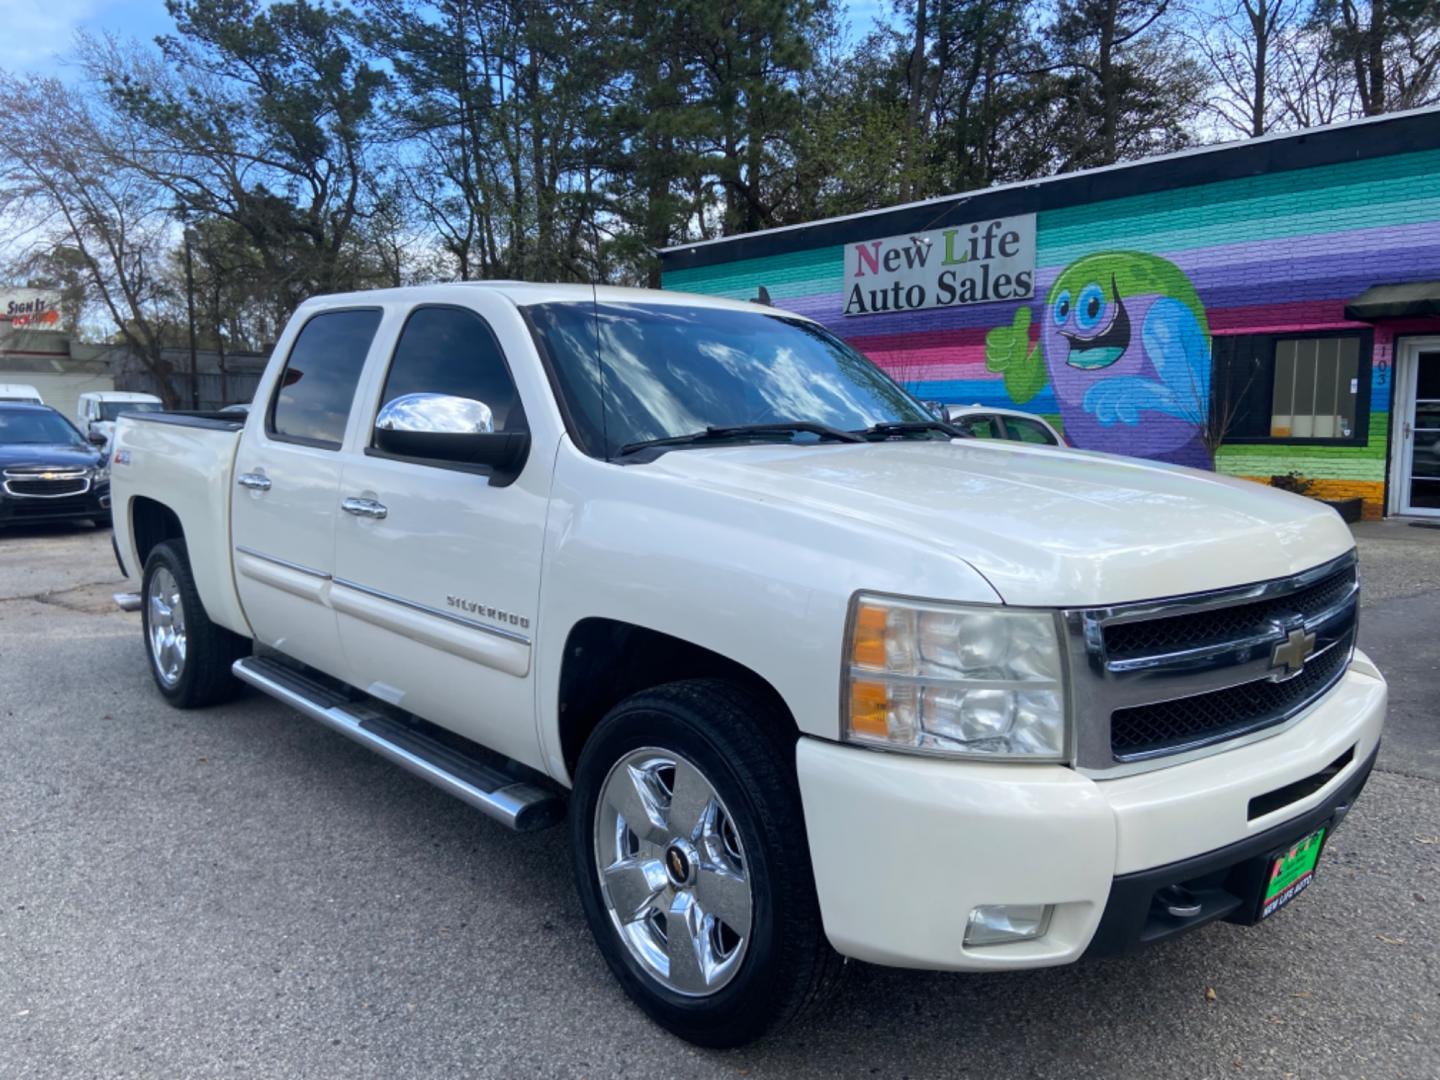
(692, 862)
(189, 655)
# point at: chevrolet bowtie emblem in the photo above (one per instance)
(1287, 659)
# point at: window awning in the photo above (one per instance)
(1416, 298)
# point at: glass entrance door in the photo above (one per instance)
(1418, 412)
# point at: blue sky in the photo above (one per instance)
(38, 35)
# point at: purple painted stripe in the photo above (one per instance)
(1346, 242)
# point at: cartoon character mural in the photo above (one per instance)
(1127, 348)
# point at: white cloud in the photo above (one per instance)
(35, 34)
(39, 36)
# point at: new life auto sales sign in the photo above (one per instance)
(964, 264)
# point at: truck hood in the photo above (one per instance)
(1045, 527)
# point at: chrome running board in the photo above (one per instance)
(473, 778)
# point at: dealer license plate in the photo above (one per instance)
(1291, 872)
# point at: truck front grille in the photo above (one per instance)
(1171, 633)
(1158, 679)
(1220, 713)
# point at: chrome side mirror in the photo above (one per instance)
(457, 431)
(436, 414)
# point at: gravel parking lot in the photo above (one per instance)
(240, 892)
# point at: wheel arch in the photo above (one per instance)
(607, 660)
(152, 523)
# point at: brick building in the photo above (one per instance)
(1264, 307)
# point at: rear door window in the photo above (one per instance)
(317, 387)
(1031, 431)
(979, 425)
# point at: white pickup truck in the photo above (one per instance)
(808, 675)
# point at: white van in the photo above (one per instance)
(14, 391)
(97, 409)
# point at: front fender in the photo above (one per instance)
(764, 583)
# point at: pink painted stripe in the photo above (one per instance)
(1271, 318)
(960, 353)
(963, 363)
(973, 336)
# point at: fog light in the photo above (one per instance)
(995, 924)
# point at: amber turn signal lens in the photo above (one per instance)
(867, 648)
(869, 709)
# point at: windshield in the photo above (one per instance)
(37, 427)
(110, 410)
(668, 370)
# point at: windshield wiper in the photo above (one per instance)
(740, 431)
(892, 428)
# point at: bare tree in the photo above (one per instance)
(1238, 40)
(1230, 385)
(1391, 48)
(65, 196)
(1129, 86)
(263, 115)
(1309, 85)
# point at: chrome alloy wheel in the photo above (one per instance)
(166, 614)
(672, 871)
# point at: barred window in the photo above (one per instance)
(1316, 387)
(1292, 388)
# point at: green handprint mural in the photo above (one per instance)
(1008, 350)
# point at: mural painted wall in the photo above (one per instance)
(1123, 343)
(1134, 291)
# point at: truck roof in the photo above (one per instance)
(525, 293)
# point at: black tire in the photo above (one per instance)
(747, 754)
(203, 676)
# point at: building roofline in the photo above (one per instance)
(1416, 129)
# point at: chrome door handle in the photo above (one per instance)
(365, 508)
(254, 481)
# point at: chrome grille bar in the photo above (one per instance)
(1195, 651)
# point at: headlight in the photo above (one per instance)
(981, 682)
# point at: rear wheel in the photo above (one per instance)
(189, 655)
(692, 862)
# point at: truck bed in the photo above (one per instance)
(185, 462)
(217, 421)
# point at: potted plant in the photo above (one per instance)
(1349, 509)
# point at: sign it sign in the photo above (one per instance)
(978, 263)
(35, 309)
